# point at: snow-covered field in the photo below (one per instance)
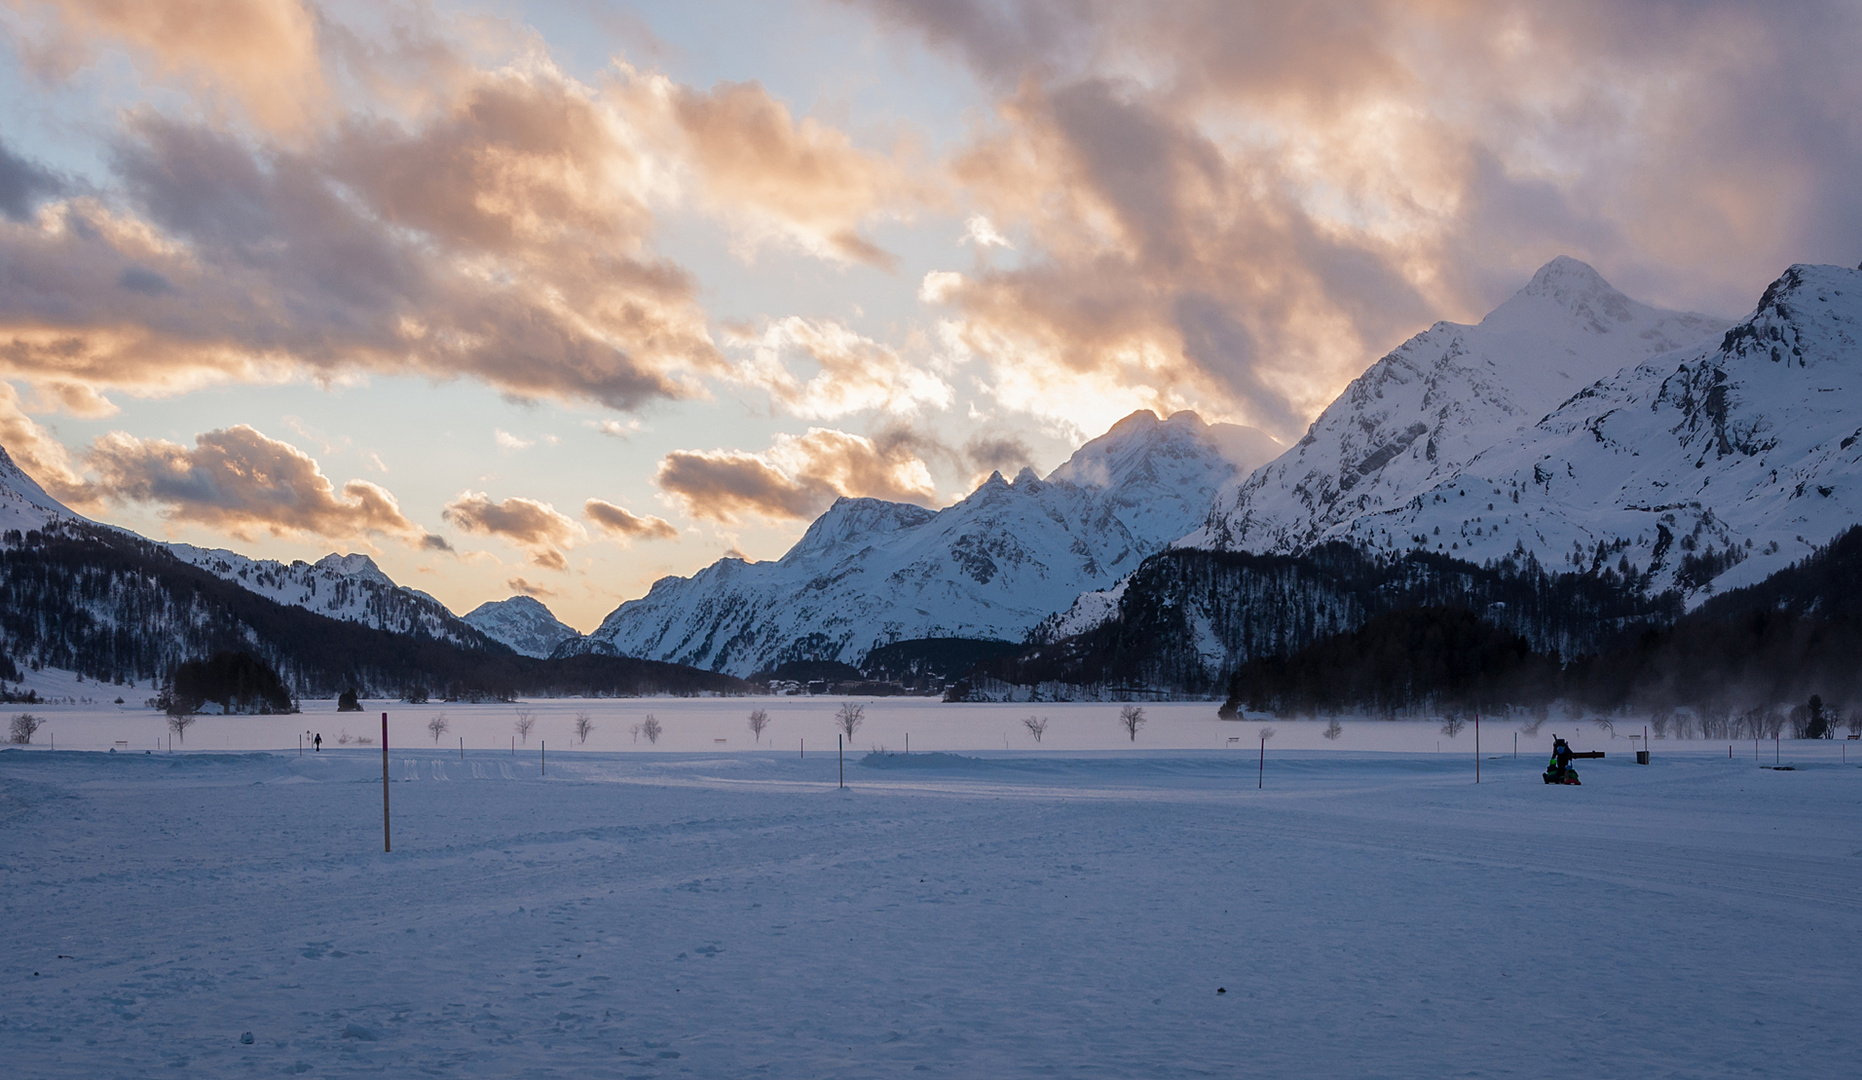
(995, 913)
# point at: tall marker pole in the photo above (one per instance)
(384, 783)
(1477, 747)
(842, 747)
(1260, 777)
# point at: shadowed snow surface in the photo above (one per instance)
(983, 914)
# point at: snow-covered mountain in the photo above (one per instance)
(24, 505)
(524, 623)
(1705, 468)
(869, 572)
(348, 587)
(1439, 399)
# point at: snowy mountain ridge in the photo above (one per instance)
(524, 623)
(1429, 406)
(348, 587)
(1702, 469)
(869, 572)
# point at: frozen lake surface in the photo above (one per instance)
(1052, 912)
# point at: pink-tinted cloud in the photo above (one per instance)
(1235, 205)
(260, 57)
(624, 524)
(537, 527)
(796, 479)
(239, 480)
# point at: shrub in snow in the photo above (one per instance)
(23, 726)
(1334, 729)
(583, 725)
(1037, 726)
(651, 729)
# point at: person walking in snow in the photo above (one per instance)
(318, 742)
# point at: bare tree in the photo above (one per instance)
(849, 718)
(759, 720)
(179, 723)
(23, 726)
(1453, 725)
(583, 725)
(1334, 729)
(636, 732)
(525, 721)
(438, 726)
(651, 729)
(1036, 725)
(1131, 718)
(1267, 733)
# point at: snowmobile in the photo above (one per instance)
(1559, 771)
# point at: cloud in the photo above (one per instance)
(23, 185)
(804, 181)
(257, 56)
(852, 373)
(41, 455)
(497, 242)
(1006, 454)
(615, 429)
(528, 588)
(624, 524)
(1233, 206)
(535, 526)
(796, 479)
(243, 482)
(508, 441)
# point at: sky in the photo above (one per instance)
(561, 298)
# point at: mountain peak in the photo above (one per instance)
(524, 623)
(1564, 275)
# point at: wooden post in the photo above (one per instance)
(462, 748)
(1516, 745)
(804, 749)
(543, 756)
(908, 744)
(1260, 776)
(840, 744)
(1477, 747)
(384, 783)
